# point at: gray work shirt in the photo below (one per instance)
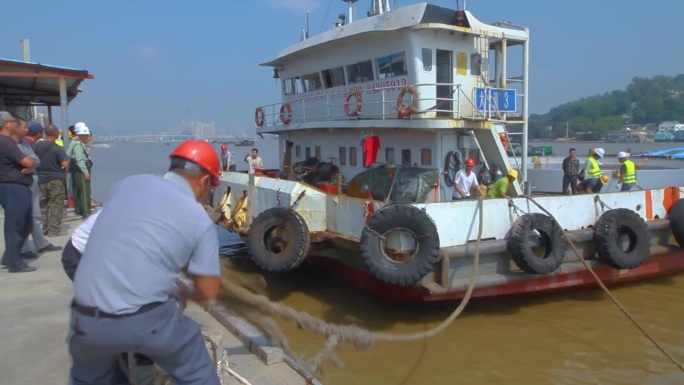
(152, 228)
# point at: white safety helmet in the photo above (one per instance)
(622, 154)
(82, 129)
(599, 151)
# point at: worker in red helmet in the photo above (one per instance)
(226, 159)
(124, 287)
(465, 180)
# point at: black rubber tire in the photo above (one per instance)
(400, 216)
(519, 247)
(452, 163)
(607, 231)
(676, 216)
(262, 247)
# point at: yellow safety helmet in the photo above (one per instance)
(604, 178)
(513, 172)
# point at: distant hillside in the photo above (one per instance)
(644, 101)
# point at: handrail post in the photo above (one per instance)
(383, 103)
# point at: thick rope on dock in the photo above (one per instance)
(336, 334)
(605, 289)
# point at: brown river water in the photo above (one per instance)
(572, 338)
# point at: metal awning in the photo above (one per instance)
(35, 84)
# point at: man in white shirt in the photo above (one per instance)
(254, 161)
(465, 180)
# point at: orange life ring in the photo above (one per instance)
(408, 110)
(286, 119)
(259, 117)
(359, 101)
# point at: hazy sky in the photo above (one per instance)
(157, 62)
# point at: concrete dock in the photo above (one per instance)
(35, 317)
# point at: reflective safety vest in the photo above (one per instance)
(59, 142)
(594, 168)
(630, 172)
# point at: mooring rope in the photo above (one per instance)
(336, 334)
(605, 289)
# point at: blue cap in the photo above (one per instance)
(35, 127)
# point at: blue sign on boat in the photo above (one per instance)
(495, 99)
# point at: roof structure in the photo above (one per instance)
(35, 84)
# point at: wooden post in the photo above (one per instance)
(339, 184)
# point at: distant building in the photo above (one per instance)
(670, 126)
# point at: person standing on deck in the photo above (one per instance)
(38, 241)
(500, 188)
(571, 168)
(52, 181)
(124, 284)
(465, 180)
(592, 181)
(80, 171)
(226, 159)
(254, 161)
(627, 172)
(15, 194)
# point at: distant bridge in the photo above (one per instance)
(167, 138)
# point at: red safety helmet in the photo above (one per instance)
(224, 147)
(200, 153)
(470, 162)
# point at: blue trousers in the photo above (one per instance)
(15, 199)
(172, 340)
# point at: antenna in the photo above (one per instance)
(307, 25)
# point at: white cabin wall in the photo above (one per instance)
(331, 140)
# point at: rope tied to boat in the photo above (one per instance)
(337, 334)
(603, 286)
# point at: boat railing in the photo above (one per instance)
(380, 104)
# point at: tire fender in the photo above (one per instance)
(275, 251)
(611, 230)
(518, 244)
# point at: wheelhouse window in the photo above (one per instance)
(389, 155)
(292, 86)
(360, 72)
(391, 66)
(475, 64)
(298, 151)
(427, 59)
(405, 157)
(317, 152)
(343, 156)
(426, 157)
(333, 77)
(352, 156)
(307, 152)
(312, 82)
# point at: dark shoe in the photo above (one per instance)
(48, 248)
(29, 255)
(25, 269)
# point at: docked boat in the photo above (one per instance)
(377, 116)
(245, 142)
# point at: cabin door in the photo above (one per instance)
(445, 78)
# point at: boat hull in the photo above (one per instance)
(657, 265)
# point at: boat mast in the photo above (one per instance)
(350, 4)
(378, 7)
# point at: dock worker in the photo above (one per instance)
(592, 182)
(81, 166)
(124, 282)
(571, 168)
(627, 172)
(38, 241)
(15, 194)
(500, 188)
(52, 181)
(254, 161)
(226, 159)
(465, 180)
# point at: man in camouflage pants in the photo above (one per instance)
(52, 181)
